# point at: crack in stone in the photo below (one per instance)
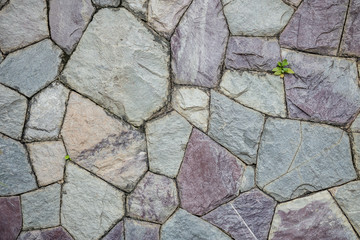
(243, 221)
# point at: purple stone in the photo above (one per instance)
(116, 233)
(209, 175)
(57, 233)
(350, 45)
(136, 230)
(10, 217)
(198, 44)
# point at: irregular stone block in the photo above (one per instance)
(256, 18)
(322, 89)
(124, 68)
(136, 230)
(198, 44)
(68, 19)
(116, 233)
(248, 179)
(316, 27)
(296, 158)
(46, 234)
(209, 175)
(32, 68)
(46, 113)
(350, 45)
(247, 217)
(316, 217)
(154, 199)
(261, 91)
(10, 217)
(236, 127)
(139, 7)
(12, 112)
(17, 32)
(106, 3)
(115, 151)
(90, 206)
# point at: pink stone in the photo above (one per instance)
(10, 217)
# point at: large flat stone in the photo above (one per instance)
(300, 157)
(154, 199)
(236, 127)
(107, 3)
(10, 217)
(209, 175)
(116, 233)
(46, 234)
(322, 89)
(68, 19)
(316, 217)
(90, 206)
(12, 112)
(32, 68)
(104, 145)
(124, 68)
(136, 230)
(350, 45)
(198, 44)
(22, 23)
(261, 91)
(316, 27)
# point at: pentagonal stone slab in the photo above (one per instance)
(247, 217)
(106, 3)
(209, 175)
(154, 199)
(198, 44)
(141, 230)
(309, 31)
(350, 42)
(32, 68)
(17, 32)
(116, 233)
(104, 145)
(10, 217)
(316, 217)
(236, 127)
(46, 234)
(300, 157)
(122, 67)
(323, 89)
(265, 18)
(68, 19)
(12, 112)
(101, 204)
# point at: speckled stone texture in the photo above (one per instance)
(107, 3)
(10, 217)
(136, 230)
(116, 233)
(57, 233)
(350, 45)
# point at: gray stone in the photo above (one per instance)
(125, 70)
(139, 7)
(12, 112)
(316, 217)
(15, 175)
(296, 158)
(1, 57)
(107, 3)
(350, 45)
(136, 230)
(3, 2)
(236, 127)
(90, 206)
(166, 141)
(57, 233)
(248, 179)
(116, 233)
(22, 23)
(154, 199)
(356, 148)
(41, 208)
(256, 18)
(198, 44)
(252, 53)
(183, 225)
(261, 91)
(355, 126)
(316, 26)
(32, 68)
(47, 110)
(68, 19)
(294, 3)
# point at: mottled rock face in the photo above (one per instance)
(125, 70)
(115, 151)
(116, 233)
(10, 217)
(247, 217)
(154, 199)
(261, 91)
(316, 26)
(198, 44)
(252, 53)
(136, 230)
(209, 175)
(12, 112)
(350, 45)
(68, 19)
(323, 89)
(300, 157)
(107, 3)
(256, 18)
(17, 32)
(306, 217)
(183, 225)
(101, 204)
(139, 7)
(32, 68)
(46, 234)
(236, 127)
(166, 140)
(248, 179)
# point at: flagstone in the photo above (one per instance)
(350, 45)
(116, 233)
(10, 217)
(136, 230)
(46, 234)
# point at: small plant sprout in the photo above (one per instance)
(281, 69)
(67, 157)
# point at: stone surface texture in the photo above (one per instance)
(294, 3)
(116, 233)
(46, 234)
(350, 45)
(355, 125)
(136, 230)
(10, 217)
(356, 148)
(107, 3)
(198, 44)
(248, 179)
(139, 7)
(154, 199)
(115, 151)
